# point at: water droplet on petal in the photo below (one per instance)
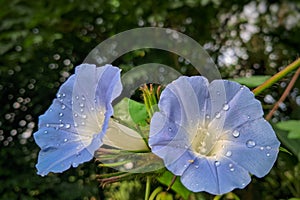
(63, 94)
(262, 148)
(83, 98)
(58, 95)
(75, 115)
(63, 106)
(65, 140)
(50, 109)
(235, 133)
(225, 107)
(184, 166)
(77, 97)
(218, 115)
(45, 132)
(231, 169)
(170, 129)
(196, 166)
(268, 155)
(230, 165)
(84, 116)
(242, 87)
(81, 105)
(83, 123)
(268, 147)
(228, 153)
(217, 163)
(250, 144)
(67, 125)
(248, 117)
(47, 125)
(207, 116)
(61, 114)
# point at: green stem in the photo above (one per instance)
(294, 65)
(147, 192)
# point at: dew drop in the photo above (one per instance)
(63, 106)
(230, 165)
(228, 153)
(170, 129)
(61, 125)
(75, 115)
(242, 87)
(50, 109)
(207, 116)
(84, 116)
(225, 107)
(65, 140)
(68, 125)
(231, 169)
(218, 115)
(81, 110)
(83, 98)
(61, 114)
(268, 155)
(83, 123)
(184, 166)
(262, 148)
(236, 133)
(218, 93)
(196, 166)
(250, 144)
(248, 117)
(268, 147)
(81, 105)
(63, 94)
(47, 125)
(45, 132)
(77, 97)
(217, 163)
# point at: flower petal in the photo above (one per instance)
(255, 148)
(72, 128)
(236, 105)
(122, 137)
(215, 177)
(190, 102)
(167, 136)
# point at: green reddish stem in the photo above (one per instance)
(294, 65)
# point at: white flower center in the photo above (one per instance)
(203, 141)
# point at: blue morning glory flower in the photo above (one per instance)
(71, 130)
(212, 134)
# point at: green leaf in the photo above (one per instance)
(166, 179)
(292, 126)
(131, 112)
(291, 144)
(285, 150)
(252, 81)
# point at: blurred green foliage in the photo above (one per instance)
(42, 41)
